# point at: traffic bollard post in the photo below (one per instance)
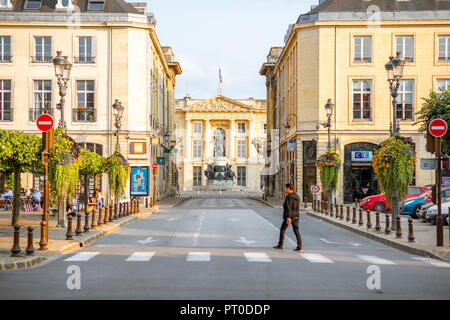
(78, 230)
(387, 230)
(398, 233)
(377, 221)
(410, 230)
(30, 246)
(15, 250)
(69, 234)
(369, 222)
(86, 222)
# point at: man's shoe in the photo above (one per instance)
(298, 249)
(278, 247)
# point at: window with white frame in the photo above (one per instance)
(442, 85)
(96, 4)
(5, 4)
(241, 127)
(405, 100)
(85, 50)
(197, 128)
(405, 45)
(197, 178)
(32, 4)
(444, 48)
(241, 149)
(42, 49)
(362, 49)
(5, 100)
(241, 176)
(362, 100)
(85, 110)
(64, 4)
(5, 48)
(42, 98)
(197, 148)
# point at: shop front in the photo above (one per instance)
(359, 178)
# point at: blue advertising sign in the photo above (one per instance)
(362, 156)
(139, 181)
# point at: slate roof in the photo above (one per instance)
(111, 6)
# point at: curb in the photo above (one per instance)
(32, 261)
(374, 236)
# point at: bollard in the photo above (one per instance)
(377, 223)
(100, 217)
(138, 206)
(94, 223)
(354, 215)
(388, 224)
(69, 234)
(360, 222)
(348, 214)
(399, 228)
(116, 211)
(337, 211)
(410, 229)
(326, 207)
(128, 208)
(341, 216)
(306, 204)
(86, 222)
(30, 247)
(106, 220)
(369, 223)
(120, 210)
(78, 231)
(146, 202)
(43, 242)
(133, 206)
(15, 250)
(331, 210)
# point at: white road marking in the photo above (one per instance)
(171, 219)
(82, 256)
(257, 257)
(355, 244)
(316, 258)
(376, 260)
(140, 256)
(326, 241)
(245, 241)
(434, 262)
(234, 219)
(199, 256)
(148, 240)
(197, 233)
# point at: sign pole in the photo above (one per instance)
(155, 170)
(439, 220)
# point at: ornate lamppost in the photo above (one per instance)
(62, 72)
(118, 112)
(329, 109)
(287, 126)
(394, 70)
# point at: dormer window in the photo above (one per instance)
(96, 5)
(5, 4)
(64, 5)
(32, 4)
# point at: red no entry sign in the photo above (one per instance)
(155, 166)
(45, 122)
(438, 128)
(315, 188)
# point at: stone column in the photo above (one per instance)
(207, 153)
(251, 136)
(232, 144)
(188, 142)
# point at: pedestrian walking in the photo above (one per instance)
(290, 216)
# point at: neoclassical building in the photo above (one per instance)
(234, 128)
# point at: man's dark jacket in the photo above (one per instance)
(291, 206)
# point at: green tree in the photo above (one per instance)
(436, 103)
(19, 152)
(92, 164)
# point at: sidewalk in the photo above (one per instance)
(425, 234)
(57, 244)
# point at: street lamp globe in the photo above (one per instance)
(329, 108)
(390, 69)
(118, 109)
(67, 68)
(399, 64)
(59, 63)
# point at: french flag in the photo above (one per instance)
(220, 76)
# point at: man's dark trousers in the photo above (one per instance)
(296, 231)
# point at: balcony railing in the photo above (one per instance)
(34, 113)
(41, 59)
(5, 59)
(84, 59)
(444, 58)
(6, 114)
(368, 59)
(84, 114)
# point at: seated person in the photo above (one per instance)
(36, 197)
(8, 194)
(99, 197)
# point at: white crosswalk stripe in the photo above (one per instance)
(141, 256)
(199, 256)
(376, 260)
(82, 256)
(434, 262)
(257, 257)
(316, 258)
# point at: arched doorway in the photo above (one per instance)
(359, 178)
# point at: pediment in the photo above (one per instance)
(218, 104)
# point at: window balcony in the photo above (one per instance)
(7, 114)
(34, 113)
(362, 59)
(84, 59)
(41, 59)
(5, 59)
(84, 114)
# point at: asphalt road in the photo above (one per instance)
(221, 248)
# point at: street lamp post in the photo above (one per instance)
(287, 126)
(62, 72)
(329, 109)
(118, 112)
(394, 70)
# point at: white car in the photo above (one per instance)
(431, 212)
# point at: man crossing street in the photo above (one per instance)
(290, 216)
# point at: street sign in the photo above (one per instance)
(155, 141)
(292, 145)
(155, 166)
(362, 156)
(438, 128)
(45, 122)
(161, 160)
(315, 189)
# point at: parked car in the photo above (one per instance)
(445, 196)
(413, 205)
(431, 213)
(378, 202)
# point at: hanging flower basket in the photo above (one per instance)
(118, 170)
(393, 163)
(329, 164)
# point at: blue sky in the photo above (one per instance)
(233, 34)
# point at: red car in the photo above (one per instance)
(378, 202)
